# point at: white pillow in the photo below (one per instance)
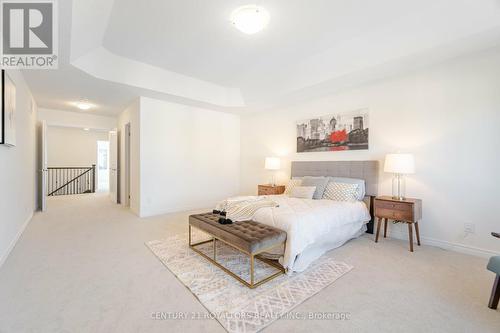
(341, 191)
(291, 184)
(303, 192)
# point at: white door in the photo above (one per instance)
(42, 163)
(113, 165)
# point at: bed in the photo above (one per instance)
(316, 226)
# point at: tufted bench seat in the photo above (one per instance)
(249, 237)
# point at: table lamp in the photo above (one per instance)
(272, 163)
(400, 165)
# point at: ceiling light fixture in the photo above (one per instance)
(83, 104)
(86, 129)
(250, 19)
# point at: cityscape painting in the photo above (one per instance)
(344, 131)
(8, 111)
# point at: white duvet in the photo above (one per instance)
(308, 221)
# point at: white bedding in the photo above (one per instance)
(308, 221)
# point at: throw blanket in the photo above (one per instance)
(243, 208)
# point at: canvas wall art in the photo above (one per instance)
(336, 132)
(8, 116)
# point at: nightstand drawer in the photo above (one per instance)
(265, 190)
(394, 214)
(270, 190)
(405, 207)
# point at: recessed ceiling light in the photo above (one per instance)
(86, 129)
(83, 105)
(250, 19)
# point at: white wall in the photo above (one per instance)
(189, 157)
(447, 115)
(18, 171)
(72, 147)
(130, 115)
(77, 119)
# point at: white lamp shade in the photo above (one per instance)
(399, 163)
(272, 163)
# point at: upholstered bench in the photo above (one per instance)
(249, 237)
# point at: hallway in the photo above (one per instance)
(82, 267)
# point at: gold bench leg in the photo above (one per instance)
(213, 260)
(215, 244)
(251, 270)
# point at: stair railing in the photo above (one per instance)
(71, 180)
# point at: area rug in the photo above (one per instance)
(236, 307)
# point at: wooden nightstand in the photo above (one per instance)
(270, 189)
(408, 211)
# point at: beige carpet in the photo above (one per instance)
(240, 309)
(83, 267)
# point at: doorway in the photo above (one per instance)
(103, 166)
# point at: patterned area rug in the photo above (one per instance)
(236, 307)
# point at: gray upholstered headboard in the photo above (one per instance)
(367, 170)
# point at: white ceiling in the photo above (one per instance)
(187, 51)
(195, 37)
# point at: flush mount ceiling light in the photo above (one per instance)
(250, 19)
(83, 104)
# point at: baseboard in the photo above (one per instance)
(177, 209)
(445, 245)
(14, 241)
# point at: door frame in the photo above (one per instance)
(126, 166)
(114, 166)
(42, 165)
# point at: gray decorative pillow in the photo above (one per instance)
(319, 182)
